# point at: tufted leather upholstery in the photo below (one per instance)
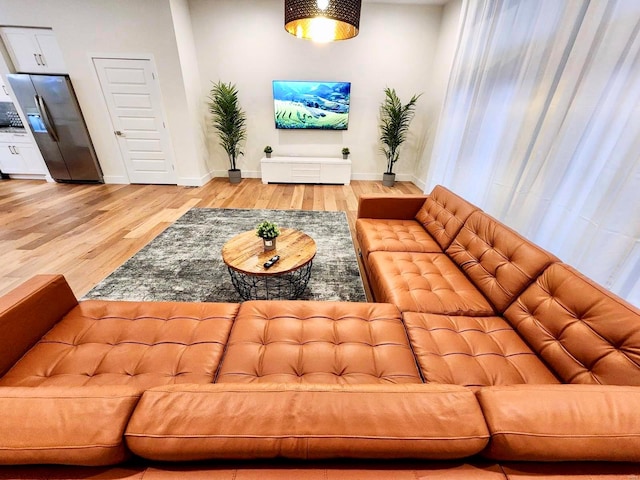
(443, 215)
(393, 236)
(424, 282)
(318, 342)
(141, 344)
(500, 262)
(472, 351)
(585, 333)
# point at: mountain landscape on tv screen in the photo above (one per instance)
(323, 105)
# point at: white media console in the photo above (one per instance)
(305, 170)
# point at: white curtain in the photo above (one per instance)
(541, 128)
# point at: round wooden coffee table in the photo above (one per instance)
(245, 257)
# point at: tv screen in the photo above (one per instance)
(308, 105)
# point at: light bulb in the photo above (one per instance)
(322, 30)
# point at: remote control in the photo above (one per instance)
(271, 261)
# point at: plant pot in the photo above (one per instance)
(345, 157)
(235, 175)
(268, 155)
(388, 179)
(269, 244)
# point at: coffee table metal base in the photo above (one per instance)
(271, 287)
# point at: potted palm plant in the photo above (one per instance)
(230, 121)
(395, 119)
(268, 231)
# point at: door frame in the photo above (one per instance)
(125, 179)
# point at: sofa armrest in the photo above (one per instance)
(552, 423)
(28, 312)
(400, 207)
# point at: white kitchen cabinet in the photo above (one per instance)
(33, 50)
(4, 92)
(19, 156)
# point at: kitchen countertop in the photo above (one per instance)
(12, 130)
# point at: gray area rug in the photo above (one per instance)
(184, 263)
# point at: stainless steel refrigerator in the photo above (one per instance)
(54, 116)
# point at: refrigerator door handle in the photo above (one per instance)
(44, 114)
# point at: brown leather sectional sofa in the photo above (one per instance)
(486, 357)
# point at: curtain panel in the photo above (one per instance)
(541, 128)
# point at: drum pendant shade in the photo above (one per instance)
(322, 20)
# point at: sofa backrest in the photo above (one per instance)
(583, 332)
(443, 214)
(500, 262)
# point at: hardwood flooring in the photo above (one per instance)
(86, 231)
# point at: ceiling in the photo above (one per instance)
(410, 2)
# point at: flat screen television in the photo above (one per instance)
(311, 105)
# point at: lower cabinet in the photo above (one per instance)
(323, 170)
(20, 158)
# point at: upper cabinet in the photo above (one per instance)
(33, 50)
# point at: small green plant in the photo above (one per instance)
(267, 229)
(268, 149)
(345, 151)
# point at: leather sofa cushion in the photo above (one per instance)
(142, 344)
(393, 236)
(499, 262)
(318, 342)
(424, 282)
(472, 351)
(28, 312)
(443, 215)
(583, 332)
(65, 425)
(562, 422)
(239, 421)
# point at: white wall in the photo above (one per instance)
(116, 27)
(194, 42)
(244, 42)
(445, 52)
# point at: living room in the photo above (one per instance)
(409, 46)
(487, 354)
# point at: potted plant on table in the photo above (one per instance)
(345, 153)
(268, 150)
(230, 121)
(395, 119)
(268, 231)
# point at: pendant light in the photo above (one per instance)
(322, 20)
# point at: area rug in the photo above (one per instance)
(184, 263)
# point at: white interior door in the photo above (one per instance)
(132, 94)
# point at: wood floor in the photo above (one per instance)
(86, 231)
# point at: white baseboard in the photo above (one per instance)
(245, 174)
(116, 179)
(418, 183)
(195, 181)
(400, 177)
